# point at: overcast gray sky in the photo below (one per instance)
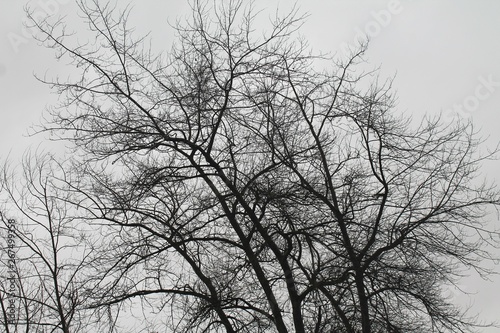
(445, 55)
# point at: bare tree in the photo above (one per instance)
(241, 183)
(50, 250)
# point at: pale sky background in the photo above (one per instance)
(445, 55)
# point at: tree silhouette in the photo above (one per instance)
(241, 183)
(50, 250)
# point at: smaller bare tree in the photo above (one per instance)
(51, 249)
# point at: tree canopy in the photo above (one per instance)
(242, 183)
